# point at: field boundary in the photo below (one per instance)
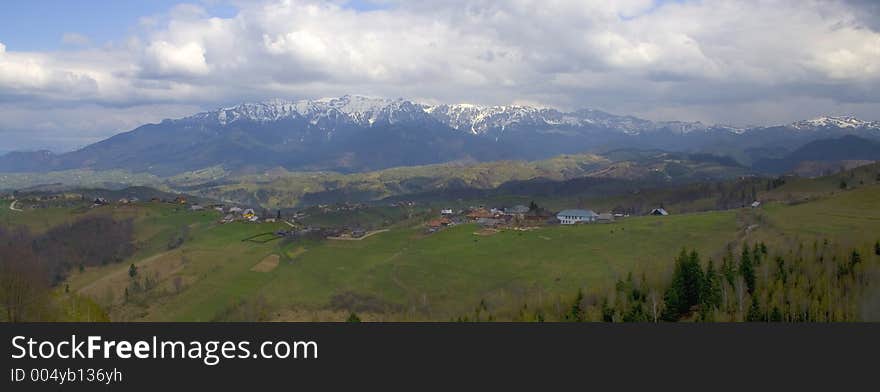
(253, 238)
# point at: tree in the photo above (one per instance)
(353, 318)
(24, 288)
(842, 184)
(687, 286)
(278, 216)
(754, 311)
(576, 313)
(877, 248)
(533, 206)
(711, 289)
(747, 269)
(132, 271)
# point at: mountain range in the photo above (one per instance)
(357, 133)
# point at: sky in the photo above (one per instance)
(72, 73)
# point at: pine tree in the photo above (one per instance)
(776, 315)
(576, 313)
(686, 288)
(754, 311)
(353, 318)
(533, 206)
(747, 269)
(711, 289)
(132, 271)
(877, 248)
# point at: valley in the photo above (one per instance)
(404, 273)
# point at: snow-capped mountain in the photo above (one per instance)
(469, 118)
(354, 133)
(350, 109)
(835, 122)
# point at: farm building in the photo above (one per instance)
(446, 211)
(479, 214)
(570, 217)
(659, 212)
(756, 204)
(438, 223)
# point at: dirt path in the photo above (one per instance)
(12, 206)
(359, 238)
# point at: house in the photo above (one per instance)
(196, 207)
(605, 217)
(438, 223)
(269, 220)
(235, 210)
(123, 201)
(480, 213)
(248, 214)
(659, 212)
(571, 217)
(756, 204)
(228, 218)
(100, 201)
(218, 209)
(446, 211)
(180, 200)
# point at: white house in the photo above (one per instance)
(446, 211)
(570, 217)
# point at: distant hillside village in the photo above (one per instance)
(516, 217)
(524, 217)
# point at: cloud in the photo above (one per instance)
(713, 60)
(75, 39)
(166, 58)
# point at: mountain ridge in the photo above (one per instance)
(356, 133)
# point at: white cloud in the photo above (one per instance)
(169, 59)
(710, 60)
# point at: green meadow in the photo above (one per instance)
(192, 268)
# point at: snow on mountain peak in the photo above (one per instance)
(475, 119)
(834, 122)
(361, 110)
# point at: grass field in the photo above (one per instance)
(403, 274)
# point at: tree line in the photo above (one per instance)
(31, 264)
(818, 282)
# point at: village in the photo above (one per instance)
(489, 219)
(522, 217)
